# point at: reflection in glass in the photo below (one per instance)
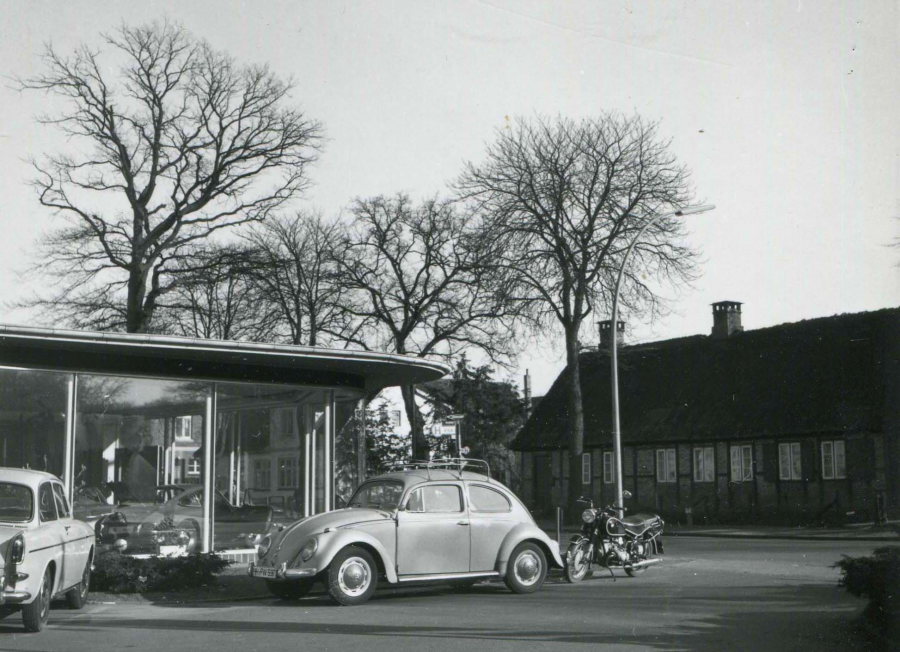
(33, 420)
(138, 447)
(263, 469)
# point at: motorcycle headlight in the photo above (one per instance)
(264, 546)
(588, 516)
(309, 549)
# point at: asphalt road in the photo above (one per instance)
(708, 594)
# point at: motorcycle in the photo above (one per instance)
(632, 543)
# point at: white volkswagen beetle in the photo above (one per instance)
(436, 521)
(44, 552)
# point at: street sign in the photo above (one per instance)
(445, 430)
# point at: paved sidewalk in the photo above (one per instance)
(887, 534)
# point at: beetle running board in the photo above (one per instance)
(448, 576)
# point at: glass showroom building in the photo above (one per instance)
(220, 441)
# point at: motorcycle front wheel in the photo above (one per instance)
(578, 559)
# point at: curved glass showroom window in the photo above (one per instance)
(154, 474)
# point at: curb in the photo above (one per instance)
(761, 535)
(141, 599)
(782, 537)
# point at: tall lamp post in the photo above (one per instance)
(614, 357)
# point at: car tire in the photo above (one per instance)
(527, 568)
(36, 613)
(291, 590)
(77, 596)
(352, 576)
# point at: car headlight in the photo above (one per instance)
(264, 546)
(588, 516)
(17, 549)
(309, 549)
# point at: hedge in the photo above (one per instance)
(878, 579)
(118, 573)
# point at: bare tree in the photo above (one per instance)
(215, 298)
(181, 143)
(563, 200)
(420, 285)
(295, 274)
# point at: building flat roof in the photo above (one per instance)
(167, 356)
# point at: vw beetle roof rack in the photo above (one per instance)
(458, 464)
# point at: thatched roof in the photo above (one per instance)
(825, 375)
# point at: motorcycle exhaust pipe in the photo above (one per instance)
(646, 562)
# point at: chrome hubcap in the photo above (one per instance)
(354, 576)
(45, 598)
(528, 568)
(86, 580)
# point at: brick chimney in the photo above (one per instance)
(606, 333)
(726, 319)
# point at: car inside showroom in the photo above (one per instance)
(172, 444)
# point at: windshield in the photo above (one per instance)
(384, 494)
(16, 503)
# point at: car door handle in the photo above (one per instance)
(462, 522)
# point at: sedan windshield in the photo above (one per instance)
(383, 495)
(16, 503)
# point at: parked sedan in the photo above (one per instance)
(429, 522)
(174, 521)
(44, 552)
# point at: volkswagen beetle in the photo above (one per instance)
(44, 552)
(436, 521)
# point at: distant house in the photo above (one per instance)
(794, 423)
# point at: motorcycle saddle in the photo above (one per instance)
(639, 523)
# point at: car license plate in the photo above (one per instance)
(261, 571)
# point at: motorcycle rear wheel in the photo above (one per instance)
(577, 561)
(640, 570)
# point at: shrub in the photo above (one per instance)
(118, 573)
(878, 579)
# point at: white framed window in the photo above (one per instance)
(262, 474)
(288, 473)
(742, 463)
(704, 464)
(834, 460)
(609, 468)
(395, 418)
(585, 468)
(193, 467)
(182, 428)
(790, 466)
(665, 465)
(284, 422)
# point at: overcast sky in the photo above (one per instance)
(786, 114)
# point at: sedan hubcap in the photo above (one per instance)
(528, 568)
(86, 580)
(45, 598)
(354, 576)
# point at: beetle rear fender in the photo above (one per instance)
(527, 532)
(330, 543)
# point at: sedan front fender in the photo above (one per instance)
(330, 543)
(527, 532)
